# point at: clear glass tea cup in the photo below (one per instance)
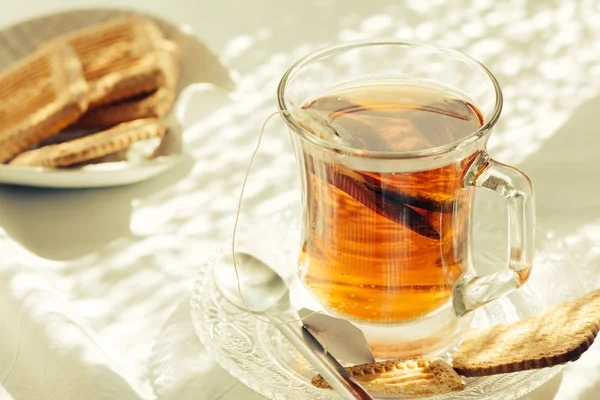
(384, 243)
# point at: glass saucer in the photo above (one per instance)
(256, 353)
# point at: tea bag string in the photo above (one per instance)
(235, 226)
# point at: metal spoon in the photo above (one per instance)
(266, 293)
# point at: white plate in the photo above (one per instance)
(199, 68)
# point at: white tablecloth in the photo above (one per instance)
(89, 277)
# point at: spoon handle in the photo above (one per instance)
(321, 360)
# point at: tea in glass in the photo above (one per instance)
(390, 138)
(387, 247)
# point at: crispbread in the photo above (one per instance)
(555, 336)
(92, 146)
(119, 58)
(39, 96)
(153, 105)
(411, 379)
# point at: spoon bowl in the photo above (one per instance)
(260, 287)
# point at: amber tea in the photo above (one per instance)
(387, 247)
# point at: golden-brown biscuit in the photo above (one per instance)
(92, 146)
(120, 58)
(153, 105)
(555, 336)
(410, 379)
(39, 96)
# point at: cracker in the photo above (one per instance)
(153, 105)
(555, 336)
(411, 379)
(92, 146)
(119, 58)
(39, 96)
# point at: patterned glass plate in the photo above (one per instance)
(257, 354)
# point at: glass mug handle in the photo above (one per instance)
(471, 291)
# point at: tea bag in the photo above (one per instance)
(315, 124)
(344, 340)
(335, 110)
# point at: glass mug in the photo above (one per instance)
(386, 233)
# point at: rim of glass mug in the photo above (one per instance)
(490, 117)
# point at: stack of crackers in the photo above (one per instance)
(555, 336)
(117, 80)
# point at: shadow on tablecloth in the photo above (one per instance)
(45, 350)
(63, 224)
(181, 369)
